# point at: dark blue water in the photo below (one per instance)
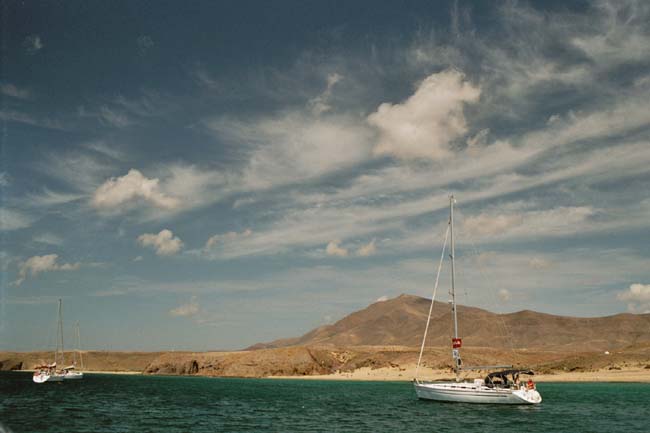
(113, 403)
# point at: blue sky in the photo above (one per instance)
(203, 176)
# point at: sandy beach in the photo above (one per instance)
(397, 374)
(407, 374)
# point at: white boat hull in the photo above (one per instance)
(465, 392)
(71, 375)
(44, 377)
(41, 378)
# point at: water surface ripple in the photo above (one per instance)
(114, 403)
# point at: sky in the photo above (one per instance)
(208, 175)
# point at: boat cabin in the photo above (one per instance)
(505, 378)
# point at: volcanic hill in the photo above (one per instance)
(401, 320)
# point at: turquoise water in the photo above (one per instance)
(113, 403)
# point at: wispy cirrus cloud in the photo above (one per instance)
(189, 309)
(10, 115)
(293, 146)
(48, 239)
(33, 43)
(13, 91)
(11, 219)
(321, 104)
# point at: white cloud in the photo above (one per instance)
(504, 295)
(105, 149)
(203, 77)
(382, 299)
(334, 249)
(175, 188)
(367, 250)
(618, 117)
(48, 239)
(13, 220)
(189, 309)
(137, 259)
(621, 35)
(118, 192)
(637, 297)
(426, 123)
(146, 105)
(310, 219)
(39, 264)
(14, 91)
(52, 198)
(539, 263)
(4, 179)
(20, 117)
(491, 225)
(114, 117)
(164, 243)
(226, 237)
(193, 187)
(320, 104)
(33, 43)
(292, 147)
(546, 222)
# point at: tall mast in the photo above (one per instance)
(456, 341)
(81, 359)
(60, 332)
(74, 351)
(453, 270)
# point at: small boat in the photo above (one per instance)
(500, 387)
(72, 372)
(48, 372)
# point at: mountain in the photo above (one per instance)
(401, 321)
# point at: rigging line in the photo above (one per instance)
(433, 298)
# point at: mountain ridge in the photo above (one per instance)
(401, 321)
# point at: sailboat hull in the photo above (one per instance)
(464, 392)
(72, 375)
(44, 377)
(41, 378)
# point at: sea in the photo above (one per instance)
(134, 403)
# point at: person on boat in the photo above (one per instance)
(530, 384)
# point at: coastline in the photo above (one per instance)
(396, 374)
(88, 371)
(391, 374)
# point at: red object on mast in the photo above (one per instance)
(456, 343)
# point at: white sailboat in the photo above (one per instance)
(48, 372)
(501, 387)
(72, 371)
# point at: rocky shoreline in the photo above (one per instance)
(358, 362)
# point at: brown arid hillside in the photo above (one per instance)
(94, 360)
(385, 337)
(401, 321)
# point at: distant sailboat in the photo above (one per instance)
(73, 371)
(48, 372)
(501, 387)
